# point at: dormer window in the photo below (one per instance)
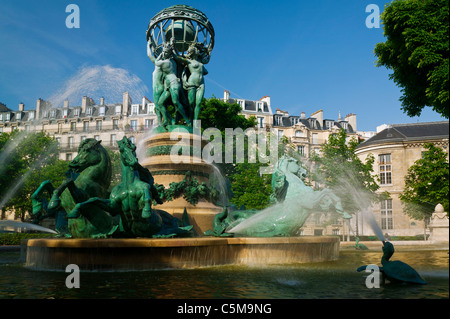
(31, 115)
(89, 111)
(53, 113)
(65, 113)
(102, 110)
(118, 109)
(19, 116)
(134, 109)
(241, 104)
(259, 106)
(76, 112)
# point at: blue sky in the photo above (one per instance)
(306, 55)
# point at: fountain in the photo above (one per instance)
(166, 211)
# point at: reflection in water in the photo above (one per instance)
(337, 279)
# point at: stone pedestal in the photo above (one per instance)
(439, 225)
(167, 168)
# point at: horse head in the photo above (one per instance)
(128, 153)
(287, 164)
(89, 154)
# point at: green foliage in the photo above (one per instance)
(16, 238)
(221, 115)
(250, 188)
(417, 50)
(29, 159)
(190, 188)
(340, 169)
(427, 184)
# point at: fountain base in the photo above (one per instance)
(152, 253)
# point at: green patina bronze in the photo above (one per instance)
(396, 271)
(132, 201)
(292, 203)
(89, 176)
(92, 212)
(179, 43)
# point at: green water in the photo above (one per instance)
(337, 279)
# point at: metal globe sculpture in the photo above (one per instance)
(186, 26)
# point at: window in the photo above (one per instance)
(261, 122)
(89, 111)
(259, 106)
(315, 138)
(27, 128)
(65, 113)
(19, 115)
(301, 149)
(115, 124)
(113, 140)
(97, 137)
(101, 110)
(133, 140)
(328, 124)
(53, 113)
(98, 125)
(151, 108)
(31, 115)
(76, 112)
(133, 125)
(134, 109)
(71, 141)
(68, 156)
(73, 126)
(58, 140)
(298, 134)
(85, 126)
(148, 123)
(386, 214)
(280, 134)
(118, 109)
(385, 169)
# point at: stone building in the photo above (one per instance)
(395, 149)
(69, 125)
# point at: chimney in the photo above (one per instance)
(226, 96)
(102, 101)
(38, 108)
(66, 103)
(351, 119)
(267, 100)
(21, 107)
(126, 102)
(318, 116)
(303, 115)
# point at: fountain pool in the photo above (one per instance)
(324, 280)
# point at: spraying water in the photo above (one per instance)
(373, 224)
(99, 81)
(8, 224)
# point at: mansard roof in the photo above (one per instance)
(410, 132)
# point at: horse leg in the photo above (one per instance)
(40, 205)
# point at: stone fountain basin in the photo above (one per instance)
(176, 253)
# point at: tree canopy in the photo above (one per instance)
(417, 51)
(427, 183)
(340, 169)
(27, 159)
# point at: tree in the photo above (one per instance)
(250, 188)
(27, 160)
(417, 51)
(426, 184)
(340, 169)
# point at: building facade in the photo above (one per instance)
(395, 149)
(70, 125)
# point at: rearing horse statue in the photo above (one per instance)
(293, 202)
(89, 175)
(132, 200)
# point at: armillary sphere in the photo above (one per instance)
(187, 26)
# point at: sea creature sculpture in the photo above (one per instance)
(396, 271)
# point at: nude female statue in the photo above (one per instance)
(166, 84)
(193, 83)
